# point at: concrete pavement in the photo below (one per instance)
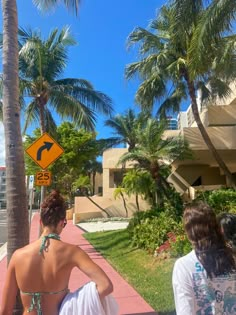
(130, 302)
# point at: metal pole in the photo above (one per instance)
(42, 197)
(31, 194)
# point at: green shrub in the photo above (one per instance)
(152, 232)
(222, 200)
(139, 216)
(181, 246)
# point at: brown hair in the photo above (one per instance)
(205, 234)
(53, 209)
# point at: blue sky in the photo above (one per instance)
(101, 30)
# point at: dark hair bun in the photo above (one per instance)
(53, 209)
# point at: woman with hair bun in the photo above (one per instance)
(41, 270)
(204, 281)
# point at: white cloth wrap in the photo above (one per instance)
(86, 301)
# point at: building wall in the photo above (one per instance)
(211, 176)
(222, 115)
(110, 165)
(98, 183)
(223, 138)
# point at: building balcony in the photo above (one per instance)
(223, 137)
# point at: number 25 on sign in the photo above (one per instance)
(43, 178)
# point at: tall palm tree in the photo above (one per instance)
(154, 154)
(17, 216)
(41, 65)
(125, 127)
(166, 66)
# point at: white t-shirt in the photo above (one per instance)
(196, 294)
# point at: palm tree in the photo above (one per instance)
(41, 64)
(217, 19)
(125, 127)
(120, 192)
(154, 154)
(17, 216)
(93, 167)
(167, 68)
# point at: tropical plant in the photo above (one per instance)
(93, 167)
(17, 214)
(41, 65)
(139, 183)
(217, 19)
(125, 127)
(167, 67)
(154, 154)
(120, 192)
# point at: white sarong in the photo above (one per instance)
(86, 301)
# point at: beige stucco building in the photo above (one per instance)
(199, 173)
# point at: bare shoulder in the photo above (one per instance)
(73, 249)
(23, 251)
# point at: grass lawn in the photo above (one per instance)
(150, 277)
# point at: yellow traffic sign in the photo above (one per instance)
(43, 178)
(44, 151)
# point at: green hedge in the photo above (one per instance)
(152, 232)
(222, 200)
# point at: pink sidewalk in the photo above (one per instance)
(130, 302)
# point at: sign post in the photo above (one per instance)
(44, 151)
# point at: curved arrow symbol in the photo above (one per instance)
(47, 146)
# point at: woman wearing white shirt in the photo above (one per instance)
(204, 281)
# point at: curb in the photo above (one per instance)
(3, 248)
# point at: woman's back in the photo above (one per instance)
(47, 273)
(42, 269)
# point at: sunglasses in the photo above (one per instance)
(65, 223)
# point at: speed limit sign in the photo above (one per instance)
(43, 178)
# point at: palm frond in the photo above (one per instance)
(219, 88)
(146, 40)
(46, 5)
(68, 107)
(150, 90)
(31, 114)
(173, 101)
(216, 20)
(73, 82)
(94, 100)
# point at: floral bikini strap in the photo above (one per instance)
(45, 240)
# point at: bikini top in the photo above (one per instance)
(36, 296)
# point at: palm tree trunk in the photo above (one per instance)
(93, 189)
(137, 203)
(42, 120)
(205, 135)
(124, 203)
(97, 205)
(17, 213)
(43, 130)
